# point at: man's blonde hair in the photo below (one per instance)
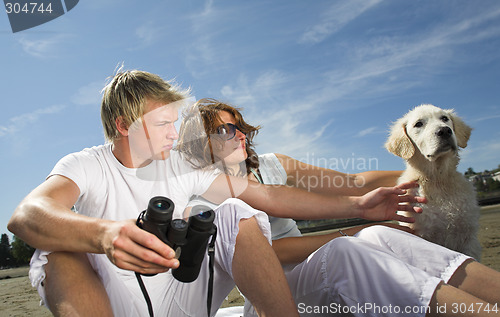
(125, 96)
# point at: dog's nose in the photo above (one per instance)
(444, 132)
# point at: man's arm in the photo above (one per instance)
(290, 202)
(328, 181)
(44, 220)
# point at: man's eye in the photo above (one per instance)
(445, 119)
(418, 124)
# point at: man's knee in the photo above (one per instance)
(72, 287)
(62, 265)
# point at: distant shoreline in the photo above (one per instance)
(14, 272)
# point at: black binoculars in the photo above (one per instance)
(189, 239)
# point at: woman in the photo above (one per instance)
(230, 147)
(393, 271)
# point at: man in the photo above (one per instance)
(92, 253)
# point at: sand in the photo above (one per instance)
(18, 298)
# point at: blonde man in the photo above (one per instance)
(89, 271)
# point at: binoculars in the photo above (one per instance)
(189, 239)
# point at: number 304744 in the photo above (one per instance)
(28, 8)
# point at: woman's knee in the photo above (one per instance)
(339, 249)
(380, 234)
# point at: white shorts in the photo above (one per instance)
(380, 271)
(169, 296)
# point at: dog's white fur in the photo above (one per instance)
(428, 139)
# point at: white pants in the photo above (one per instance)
(169, 296)
(379, 272)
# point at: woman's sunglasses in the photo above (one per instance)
(227, 131)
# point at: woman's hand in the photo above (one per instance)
(383, 203)
(131, 248)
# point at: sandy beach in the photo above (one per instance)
(18, 298)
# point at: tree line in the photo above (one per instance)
(14, 254)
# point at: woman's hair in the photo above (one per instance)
(200, 122)
(125, 96)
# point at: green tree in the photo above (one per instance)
(492, 185)
(21, 251)
(5, 252)
(470, 172)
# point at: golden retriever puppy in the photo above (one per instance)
(428, 139)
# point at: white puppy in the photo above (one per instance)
(428, 138)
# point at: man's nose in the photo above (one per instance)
(172, 133)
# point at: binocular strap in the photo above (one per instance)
(211, 258)
(145, 293)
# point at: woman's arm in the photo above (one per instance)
(297, 249)
(290, 202)
(328, 181)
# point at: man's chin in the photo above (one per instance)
(163, 155)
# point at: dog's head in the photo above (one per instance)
(430, 130)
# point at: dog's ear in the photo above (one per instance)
(398, 142)
(462, 130)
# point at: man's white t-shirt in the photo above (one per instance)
(109, 190)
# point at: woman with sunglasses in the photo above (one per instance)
(343, 273)
(230, 147)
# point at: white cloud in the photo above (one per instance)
(489, 117)
(262, 89)
(19, 122)
(149, 33)
(392, 58)
(367, 131)
(42, 48)
(334, 19)
(210, 29)
(89, 94)
(290, 123)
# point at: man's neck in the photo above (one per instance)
(121, 151)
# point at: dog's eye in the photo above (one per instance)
(444, 119)
(418, 124)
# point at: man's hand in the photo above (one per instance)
(131, 248)
(383, 203)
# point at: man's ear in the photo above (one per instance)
(121, 126)
(398, 142)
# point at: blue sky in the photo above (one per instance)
(323, 78)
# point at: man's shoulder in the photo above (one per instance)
(103, 149)
(93, 152)
(88, 156)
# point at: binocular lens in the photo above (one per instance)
(161, 205)
(160, 209)
(204, 215)
(203, 219)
